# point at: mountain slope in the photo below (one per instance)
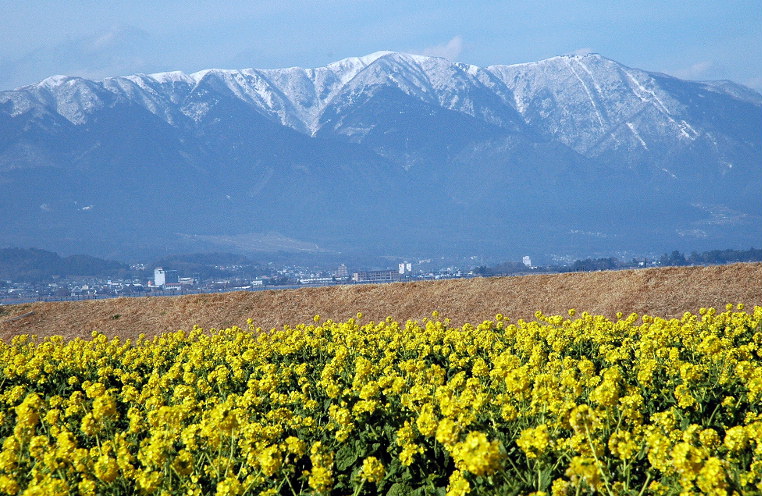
(386, 153)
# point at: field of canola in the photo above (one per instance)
(559, 405)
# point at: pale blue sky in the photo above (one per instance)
(690, 39)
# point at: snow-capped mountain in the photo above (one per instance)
(294, 97)
(330, 155)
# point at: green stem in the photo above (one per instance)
(230, 455)
(711, 417)
(645, 484)
(293, 491)
(519, 473)
(359, 488)
(598, 464)
(246, 491)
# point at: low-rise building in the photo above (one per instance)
(317, 280)
(376, 276)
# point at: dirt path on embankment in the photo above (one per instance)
(664, 292)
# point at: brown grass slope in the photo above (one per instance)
(664, 292)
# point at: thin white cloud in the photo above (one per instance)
(755, 83)
(450, 50)
(583, 51)
(698, 70)
(117, 51)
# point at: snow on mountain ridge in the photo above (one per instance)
(295, 97)
(585, 101)
(172, 77)
(733, 89)
(53, 81)
(351, 66)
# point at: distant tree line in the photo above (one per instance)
(713, 257)
(32, 264)
(36, 265)
(209, 265)
(501, 269)
(675, 258)
(589, 264)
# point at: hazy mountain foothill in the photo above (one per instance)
(30, 264)
(213, 271)
(387, 155)
(35, 265)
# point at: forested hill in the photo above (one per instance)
(32, 264)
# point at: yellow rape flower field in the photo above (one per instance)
(559, 405)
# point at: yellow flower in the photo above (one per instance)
(27, 413)
(203, 406)
(583, 469)
(38, 445)
(711, 478)
(106, 468)
(622, 445)
(534, 440)
(372, 469)
(427, 422)
(458, 485)
(709, 438)
(104, 406)
(148, 480)
(684, 397)
(735, 438)
(480, 368)
(89, 425)
(448, 432)
(583, 419)
(560, 487)
(607, 393)
(687, 460)
(295, 446)
(269, 460)
(183, 463)
(8, 484)
(658, 450)
(87, 487)
(230, 486)
(321, 475)
(477, 455)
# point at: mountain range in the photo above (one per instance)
(386, 154)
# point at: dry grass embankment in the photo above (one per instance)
(664, 292)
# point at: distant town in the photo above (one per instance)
(167, 282)
(28, 275)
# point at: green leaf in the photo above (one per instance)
(399, 489)
(346, 456)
